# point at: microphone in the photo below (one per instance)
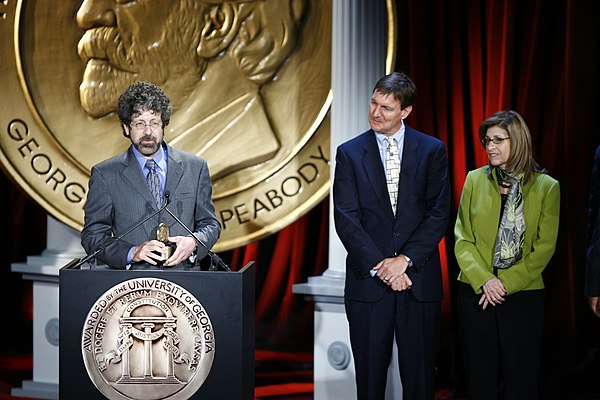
(98, 251)
(215, 260)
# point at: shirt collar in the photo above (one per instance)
(399, 136)
(159, 158)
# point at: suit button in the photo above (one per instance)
(396, 234)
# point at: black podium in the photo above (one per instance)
(156, 334)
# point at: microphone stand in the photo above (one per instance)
(215, 260)
(95, 253)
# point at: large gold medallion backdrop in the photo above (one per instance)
(249, 82)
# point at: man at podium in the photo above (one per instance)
(126, 218)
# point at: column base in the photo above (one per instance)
(334, 373)
(36, 390)
(333, 367)
(43, 271)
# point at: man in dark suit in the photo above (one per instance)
(126, 188)
(393, 273)
(592, 274)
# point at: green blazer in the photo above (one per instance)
(477, 226)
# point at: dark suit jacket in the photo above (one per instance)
(119, 197)
(366, 225)
(592, 276)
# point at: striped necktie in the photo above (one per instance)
(153, 181)
(392, 171)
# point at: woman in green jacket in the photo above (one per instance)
(505, 231)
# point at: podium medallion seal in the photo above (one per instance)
(148, 338)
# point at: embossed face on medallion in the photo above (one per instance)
(250, 83)
(126, 42)
(211, 57)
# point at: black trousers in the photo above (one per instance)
(501, 344)
(372, 329)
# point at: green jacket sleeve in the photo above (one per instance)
(473, 264)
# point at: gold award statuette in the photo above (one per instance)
(148, 338)
(249, 82)
(162, 235)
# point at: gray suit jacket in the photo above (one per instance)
(119, 197)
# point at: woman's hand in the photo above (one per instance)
(493, 293)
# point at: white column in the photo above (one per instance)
(358, 60)
(359, 48)
(63, 244)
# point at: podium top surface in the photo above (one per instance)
(72, 266)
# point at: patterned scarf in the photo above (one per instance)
(511, 232)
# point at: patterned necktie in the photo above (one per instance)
(392, 171)
(153, 181)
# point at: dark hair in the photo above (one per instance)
(144, 96)
(521, 159)
(399, 85)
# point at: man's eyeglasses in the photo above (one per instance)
(141, 125)
(496, 140)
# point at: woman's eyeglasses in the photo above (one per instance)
(496, 140)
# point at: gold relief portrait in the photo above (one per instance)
(211, 57)
(250, 83)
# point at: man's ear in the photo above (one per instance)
(220, 27)
(125, 130)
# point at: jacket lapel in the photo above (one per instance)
(174, 170)
(375, 172)
(135, 178)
